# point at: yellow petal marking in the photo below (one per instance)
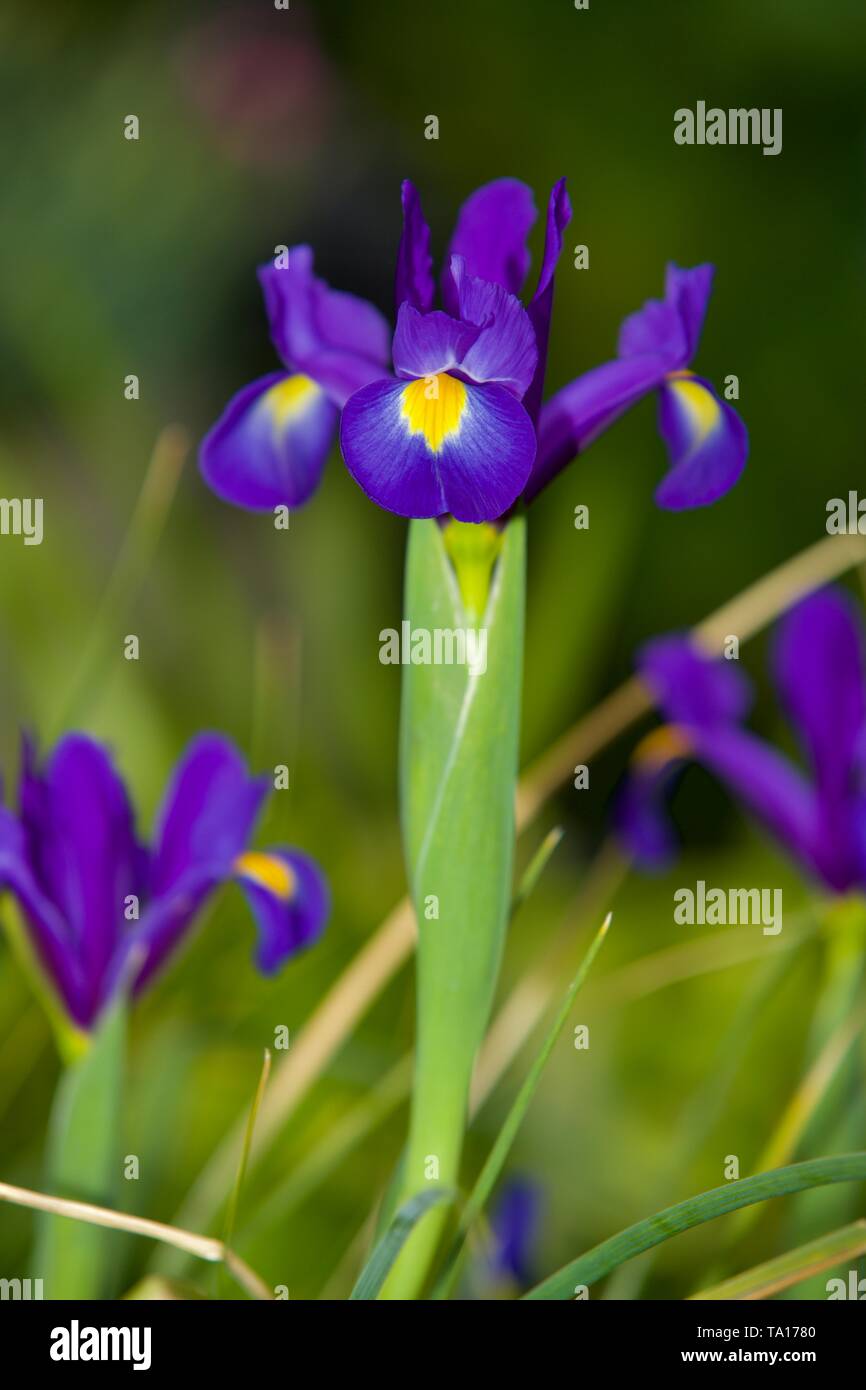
(700, 406)
(269, 872)
(288, 399)
(434, 406)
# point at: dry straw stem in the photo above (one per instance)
(204, 1247)
(381, 957)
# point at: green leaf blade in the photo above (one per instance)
(643, 1235)
(84, 1162)
(379, 1265)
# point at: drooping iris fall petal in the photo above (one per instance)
(270, 445)
(429, 447)
(706, 441)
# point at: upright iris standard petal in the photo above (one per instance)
(425, 448)
(414, 282)
(819, 669)
(289, 896)
(205, 822)
(706, 440)
(425, 344)
(692, 688)
(83, 849)
(541, 305)
(338, 340)
(670, 327)
(492, 227)
(504, 352)
(48, 930)
(270, 445)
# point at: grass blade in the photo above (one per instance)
(643, 1235)
(487, 1178)
(826, 1252)
(377, 1268)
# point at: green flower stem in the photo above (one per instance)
(459, 745)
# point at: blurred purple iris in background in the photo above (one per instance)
(91, 894)
(459, 428)
(514, 1225)
(819, 672)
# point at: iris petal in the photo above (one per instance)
(692, 688)
(504, 350)
(541, 307)
(461, 448)
(819, 667)
(339, 340)
(670, 326)
(51, 937)
(289, 896)
(575, 416)
(425, 344)
(706, 440)
(490, 235)
(414, 278)
(84, 853)
(270, 444)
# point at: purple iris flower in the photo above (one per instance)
(819, 671)
(270, 444)
(514, 1224)
(99, 905)
(706, 440)
(461, 428)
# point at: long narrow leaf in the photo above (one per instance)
(492, 1168)
(643, 1235)
(84, 1162)
(793, 1267)
(377, 1268)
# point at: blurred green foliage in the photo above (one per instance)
(261, 127)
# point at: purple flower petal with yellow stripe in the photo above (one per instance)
(289, 896)
(706, 441)
(270, 445)
(438, 445)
